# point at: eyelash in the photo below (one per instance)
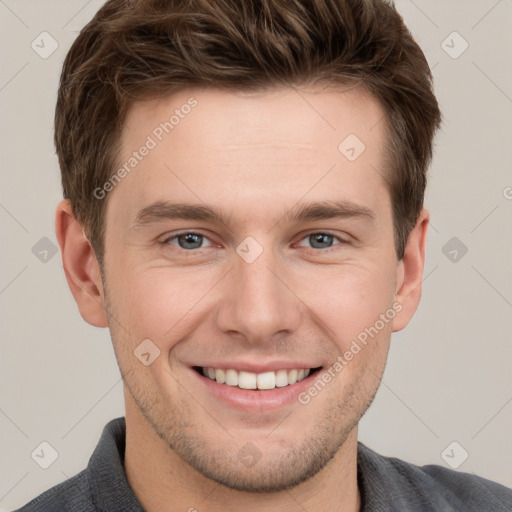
(167, 241)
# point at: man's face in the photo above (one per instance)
(263, 290)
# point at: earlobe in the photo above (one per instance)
(80, 266)
(410, 273)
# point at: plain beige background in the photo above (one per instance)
(448, 378)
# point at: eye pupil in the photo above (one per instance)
(321, 240)
(190, 241)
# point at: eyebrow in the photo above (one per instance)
(326, 210)
(300, 212)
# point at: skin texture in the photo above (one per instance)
(255, 157)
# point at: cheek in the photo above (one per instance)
(352, 299)
(156, 303)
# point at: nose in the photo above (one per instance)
(257, 301)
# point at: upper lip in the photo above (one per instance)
(255, 367)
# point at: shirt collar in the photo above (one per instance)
(107, 479)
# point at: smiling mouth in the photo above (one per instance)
(256, 381)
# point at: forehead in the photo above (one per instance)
(237, 119)
(272, 147)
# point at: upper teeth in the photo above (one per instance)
(249, 380)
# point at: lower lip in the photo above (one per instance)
(255, 400)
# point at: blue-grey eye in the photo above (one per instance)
(320, 240)
(188, 240)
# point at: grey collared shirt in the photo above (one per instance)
(387, 485)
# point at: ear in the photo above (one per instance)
(410, 272)
(80, 266)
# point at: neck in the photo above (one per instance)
(162, 480)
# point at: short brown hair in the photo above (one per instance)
(144, 48)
